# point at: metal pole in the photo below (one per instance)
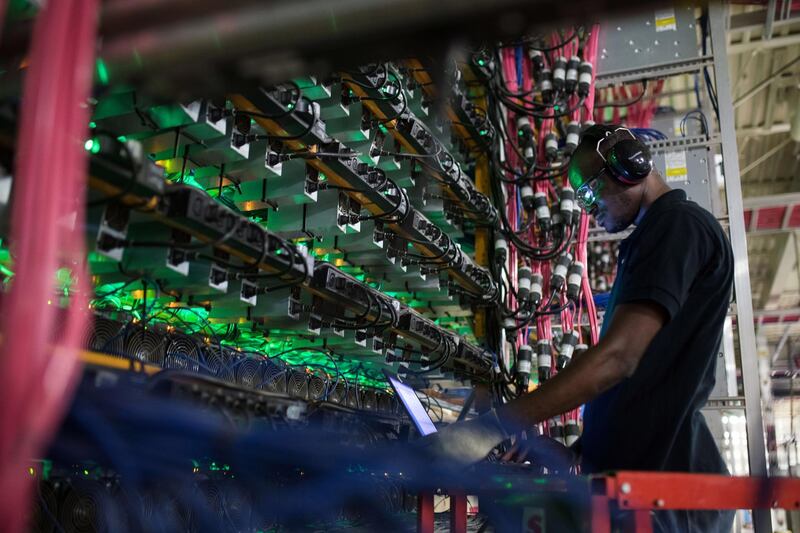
(763, 83)
(768, 26)
(757, 456)
(781, 343)
(766, 155)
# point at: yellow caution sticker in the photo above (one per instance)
(676, 168)
(665, 20)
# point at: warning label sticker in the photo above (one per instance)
(676, 126)
(676, 166)
(665, 20)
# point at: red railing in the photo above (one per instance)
(644, 492)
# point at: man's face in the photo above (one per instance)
(614, 206)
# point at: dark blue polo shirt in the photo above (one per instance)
(679, 258)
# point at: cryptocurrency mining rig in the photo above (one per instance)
(208, 263)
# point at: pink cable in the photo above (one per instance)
(37, 381)
(590, 53)
(3, 7)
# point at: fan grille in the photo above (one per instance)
(338, 393)
(219, 361)
(369, 400)
(182, 353)
(90, 507)
(250, 373)
(352, 397)
(274, 379)
(298, 384)
(104, 335)
(385, 402)
(45, 506)
(316, 388)
(146, 345)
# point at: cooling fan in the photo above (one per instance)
(228, 503)
(219, 361)
(104, 335)
(249, 372)
(387, 403)
(274, 377)
(297, 386)
(90, 506)
(45, 508)
(317, 387)
(145, 345)
(352, 398)
(162, 510)
(182, 353)
(338, 393)
(369, 400)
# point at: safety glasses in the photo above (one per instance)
(587, 194)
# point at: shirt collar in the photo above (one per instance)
(663, 202)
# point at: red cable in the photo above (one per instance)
(49, 189)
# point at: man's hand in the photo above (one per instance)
(542, 451)
(464, 443)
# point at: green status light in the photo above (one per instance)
(102, 71)
(92, 145)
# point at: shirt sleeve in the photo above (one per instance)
(667, 258)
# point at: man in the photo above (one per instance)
(653, 369)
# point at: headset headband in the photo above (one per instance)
(609, 134)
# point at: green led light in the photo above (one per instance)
(481, 62)
(92, 125)
(85, 472)
(122, 138)
(102, 71)
(483, 132)
(290, 106)
(92, 145)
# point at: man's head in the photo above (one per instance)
(609, 171)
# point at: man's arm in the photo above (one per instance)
(633, 327)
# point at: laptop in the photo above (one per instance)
(416, 411)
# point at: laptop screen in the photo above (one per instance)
(413, 405)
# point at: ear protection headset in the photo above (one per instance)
(628, 161)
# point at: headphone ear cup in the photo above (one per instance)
(630, 161)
